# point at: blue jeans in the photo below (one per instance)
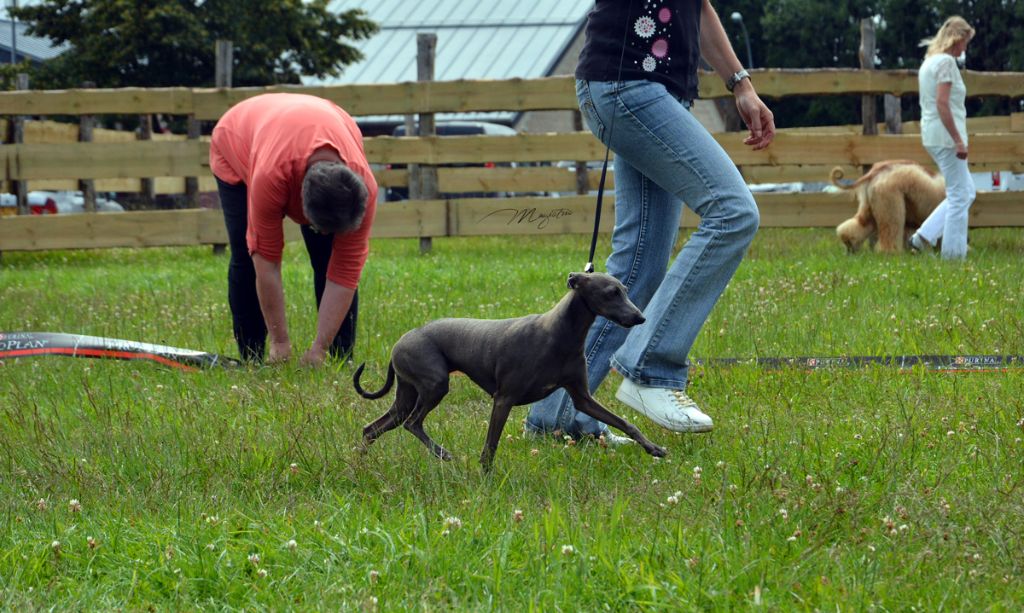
(663, 158)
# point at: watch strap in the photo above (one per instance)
(736, 77)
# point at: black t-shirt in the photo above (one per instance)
(662, 43)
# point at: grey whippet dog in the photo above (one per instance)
(517, 361)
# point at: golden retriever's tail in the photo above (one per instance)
(837, 174)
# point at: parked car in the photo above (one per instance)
(998, 181)
(54, 203)
(455, 128)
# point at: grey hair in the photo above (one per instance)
(333, 197)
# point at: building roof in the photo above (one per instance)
(475, 40)
(35, 48)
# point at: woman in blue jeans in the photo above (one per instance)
(636, 79)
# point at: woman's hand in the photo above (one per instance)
(961, 150)
(756, 114)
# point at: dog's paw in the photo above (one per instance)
(658, 452)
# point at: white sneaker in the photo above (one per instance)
(669, 408)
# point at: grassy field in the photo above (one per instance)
(128, 485)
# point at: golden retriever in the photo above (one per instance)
(893, 199)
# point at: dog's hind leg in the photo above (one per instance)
(890, 214)
(583, 401)
(429, 397)
(405, 401)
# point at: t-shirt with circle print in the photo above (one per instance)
(662, 43)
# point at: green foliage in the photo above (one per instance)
(155, 43)
(831, 490)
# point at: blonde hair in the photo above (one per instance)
(954, 30)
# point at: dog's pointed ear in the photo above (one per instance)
(574, 279)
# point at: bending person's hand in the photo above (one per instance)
(280, 352)
(314, 356)
(961, 151)
(756, 114)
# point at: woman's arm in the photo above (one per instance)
(942, 93)
(270, 290)
(717, 51)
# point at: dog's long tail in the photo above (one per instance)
(878, 168)
(837, 174)
(379, 393)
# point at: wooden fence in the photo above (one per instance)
(51, 158)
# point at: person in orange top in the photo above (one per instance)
(301, 157)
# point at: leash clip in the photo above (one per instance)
(589, 267)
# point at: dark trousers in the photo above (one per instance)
(247, 318)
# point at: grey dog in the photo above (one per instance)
(516, 361)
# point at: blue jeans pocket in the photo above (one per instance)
(588, 110)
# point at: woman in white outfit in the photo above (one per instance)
(944, 136)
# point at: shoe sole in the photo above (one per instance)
(687, 429)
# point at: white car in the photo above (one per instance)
(53, 203)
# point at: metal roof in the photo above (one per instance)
(475, 40)
(36, 48)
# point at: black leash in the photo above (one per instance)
(607, 150)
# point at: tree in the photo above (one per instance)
(159, 43)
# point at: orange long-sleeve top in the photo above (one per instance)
(265, 142)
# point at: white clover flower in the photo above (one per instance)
(254, 559)
(452, 522)
(568, 550)
(91, 542)
(74, 506)
(291, 545)
(517, 515)
(41, 504)
(55, 546)
(261, 573)
(673, 500)
(784, 513)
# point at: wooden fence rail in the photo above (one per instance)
(50, 157)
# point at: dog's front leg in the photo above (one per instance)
(499, 415)
(583, 401)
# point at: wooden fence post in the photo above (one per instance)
(867, 62)
(192, 183)
(19, 187)
(146, 185)
(893, 115)
(426, 48)
(223, 64)
(86, 123)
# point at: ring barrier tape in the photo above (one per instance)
(941, 363)
(32, 344)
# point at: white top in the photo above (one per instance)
(941, 68)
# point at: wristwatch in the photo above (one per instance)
(736, 78)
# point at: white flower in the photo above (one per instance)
(261, 573)
(644, 27)
(254, 559)
(41, 504)
(672, 500)
(291, 545)
(517, 515)
(784, 513)
(452, 522)
(74, 506)
(568, 550)
(55, 546)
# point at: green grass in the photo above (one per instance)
(850, 490)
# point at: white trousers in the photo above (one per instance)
(949, 220)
